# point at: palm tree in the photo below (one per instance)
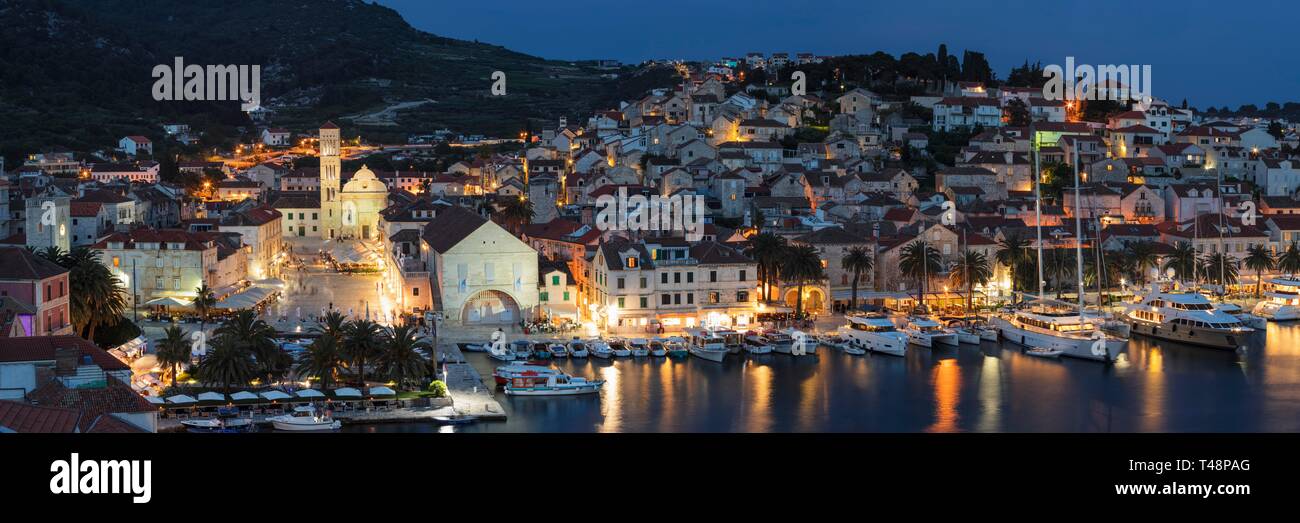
(53, 253)
(1220, 269)
(971, 268)
(858, 260)
(362, 340)
(1289, 260)
(1144, 258)
(323, 361)
(767, 249)
(227, 364)
(1182, 260)
(254, 336)
(516, 213)
(1013, 253)
(203, 303)
(1060, 265)
(801, 265)
(1259, 259)
(173, 349)
(400, 361)
(96, 297)
(919, 261)
(332, 324)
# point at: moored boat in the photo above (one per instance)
(503, 373)
(1283, 303)
(657, 348)
(755, 344)
(677, 347)
(600, 349)
(552, 385)
(639, 347)
(928, 333)
(619, 348)
(305, 419)
(1186, 317)
(577, 349)
(557, 350)
(1043, 352)
(707, 345)
(875, 332)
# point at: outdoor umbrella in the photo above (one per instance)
(212, 398)
(244, 396)
(275, 395)
(381, 391)
(347, 393)
(181, 399)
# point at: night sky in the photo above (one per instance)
(1210, 52)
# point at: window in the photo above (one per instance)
(566, 295)
(690, 277)
(666, 299)
(663, 278)
(645, 302)
(620, 303)
(620, 282)
(643, 282)
(631, 262)
(713, 276)
(742, 275)
(677, 277)
(488, 271)
(715, 297)
(677, 299)
(543, 296)
(555, 280)
(415, 291)
(742, 296)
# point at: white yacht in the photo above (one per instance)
(600, 349)
(966, 335)
(928, 333)
(1246, 318)
(1283, 303)
(756, 344)
(552, 385)
(619, 348)
(639, 347)
(1074, 334)
(705, 344)
(305, 418)
(657, 348)
(780, 342)
(1186, 317)
(578, 349)
(876, 333)
(734, 341)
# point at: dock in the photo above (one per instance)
(469, 393)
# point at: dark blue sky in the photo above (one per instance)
(1225, 52)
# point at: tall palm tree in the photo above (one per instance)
(801, 265)
(858, 260)
(254, 336)
(1220, 269)
(173, 350)
(323, 360)
(400, 361)
(52, 253)
(204, 301)
(1182, 260)
(1013, 253)
(516, 213)
(332, 324)
(971, 268)
(1289, 260)
(919, 261)
(362, 340)
(767, 249)
(1259, 259)
(1059, 266)
(1143, 255)
(227, 364)
(96, 297)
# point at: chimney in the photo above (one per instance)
(66, 360)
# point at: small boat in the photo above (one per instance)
(523, 349)
(755, 344)
(619, 348)
(478, 347)
(677, 348)
(552, 385)
(640, 347)
(600, 349)
(707, 345)
(849, 349)
(503, 373)
(577, 349)
(928, 333)
(833, 341)
(986, 333)
(226, 421)
(1043, 352)
(780, 342)
(542, 351)
(455, 419)
(557, 350)
(305, 418)
(732, 340)
(657, 348)
(502, 354)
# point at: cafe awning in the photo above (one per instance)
(169, 301)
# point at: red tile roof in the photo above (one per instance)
(21, 417)
(17, 263)
(42, 348)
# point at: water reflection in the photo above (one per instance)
(1156, 386)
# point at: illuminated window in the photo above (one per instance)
(631, 262)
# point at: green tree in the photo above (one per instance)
(253, 335)
(204, 301)
(227, 364)
(332, 324)
(1220, 269)
(516, 213)
(400, 359)
(96, 297)
(1143, 255)
(919, 261)
(858, 260)
(1013, 253)
(1289, 260)
(1259, 259)
(767, 249)
(1182, 260)
(173, 350)
(971, 268)
(362, 340)
(323, 360)
(801, 265)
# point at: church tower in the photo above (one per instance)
(330, 168)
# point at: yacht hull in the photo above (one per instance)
(1217, 339)
(1072, 347)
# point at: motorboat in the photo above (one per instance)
(734, 341)
(577, 349)
(854, 351)
(552, 385)
(501, 353)
(305, 418)
(227, 420)
(503, 373)
(619, 348)
(557, 350)
(639, 346)
(875, 332)
(928, 333)
(455, 419)
(1043, 352)
(1246, 318)
(600, 349)
(966, 335)
(657, 348)
(780, 342)
(755, 344)
(477, 347)
(1283, 303)
(677, 347)
(1079, 336)
(707, 345)
(542, 351)
(523, 349)
(834, 341)
(1185, 317)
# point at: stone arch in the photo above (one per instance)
(490, 307)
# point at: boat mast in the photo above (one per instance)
(1038, 210)
(1223, 252)
(1078, 229)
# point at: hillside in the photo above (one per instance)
(76, 73)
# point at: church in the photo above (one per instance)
(340, 211)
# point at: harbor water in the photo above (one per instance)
(1156, 386)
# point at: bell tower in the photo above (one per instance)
(330, 167)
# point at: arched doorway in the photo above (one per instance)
(490, 308)
(814, 300)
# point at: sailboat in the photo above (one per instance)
(1052, 324)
